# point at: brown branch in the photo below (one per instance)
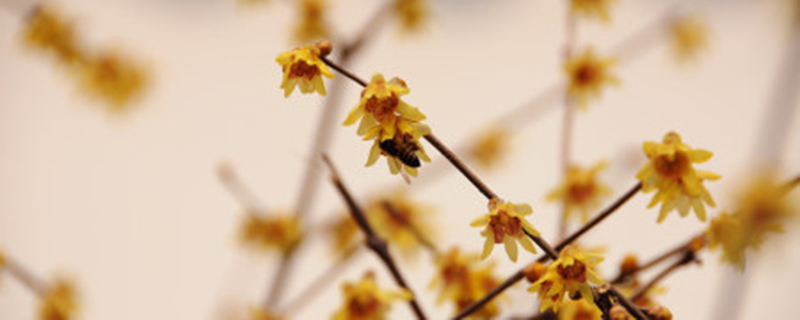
(374, 242)
(548, 249)
(519, 275)
(434, 141)
(681, 249)
(635, 311)
(323, 280)
(16, 270)
(344, 72)
(569, 117)
(688, 257)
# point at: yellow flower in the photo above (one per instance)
(311, 24)
(280, 232)
(344, 233)
(491, 147)
(252, 2)
(581, 190)
(48, 31)
(588, 73)
(580, 310)
(400, 225)
(261, 314)
(461, 281)
(670, 170)
(365, 301)
(113, 78)
(762, 208)
(402, 148)
(58, 302)
(689, 35)
(596, 9)
(413, 14)
(303, 67)
(380, 105)
(572, 274)
(505, 223)
(480, 282)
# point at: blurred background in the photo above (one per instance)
(130, 206)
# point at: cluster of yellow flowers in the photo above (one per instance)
(366, 301)
(670, 170)
(588, 74)
(109, 76)
(460, 281)
(58, 302)
(280, 232)
(581, 191)
(571, 275)
(394, 126)
(505, 223)
(763, 208)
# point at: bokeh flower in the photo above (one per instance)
(48, 31)
(688, 36)
(113, 78)
(400, 220)
(572, 274)
(461, 280)
(258, 313)
(279, 232)
(344, 233)
(303, 68)
(505, 223)
(670, 171)
(588, 74)
(581, 190)
(311, 23)
(592, 9)
(579, 310)
(58, 301)
(366, 301)
(412, 14)
(490, 148)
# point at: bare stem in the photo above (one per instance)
(688, 257)
(24, 276)
(680, 249)
(629, 306)
(466, 171)
(344, 72)
(552, 253)
(374, 242)
(237, 188)
(323, 280)
(568, 120)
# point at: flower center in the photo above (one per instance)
(381, 108)
(586, 75)
(574, 272)
(301, 69)
(504, 225)
(364, 306)
(672, 167)
(583, 314)
(580, 192)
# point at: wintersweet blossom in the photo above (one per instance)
(505, 223)
(571, 275)
(303, 68)
(366, 301)
(581, 190)
(592, 9)
(588, 74)
(58, 302)
(280, 232)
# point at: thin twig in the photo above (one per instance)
(568, 119)
(682, 248)
(434, 141)
(543, 244)
(16, 270)
(629, 306)
(323, 280)
(374, 242)
(689, 257)
(237, 188)
(344, 72)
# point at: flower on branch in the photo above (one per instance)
(381, 106)
(396, 217)
(302, 67)
(281, 232)
(366, 301)
(670, 171)
(113, 78)
(412, 14)
(402, 149)
(59, 301)
(592, 9)
(579, 310)
(461, 281)
(48, 31)
(588, 74)
(688, 36)
(505, 223)
(581, 191)
(571, 275)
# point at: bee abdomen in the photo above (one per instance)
(405, 153)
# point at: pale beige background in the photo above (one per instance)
(130, 206)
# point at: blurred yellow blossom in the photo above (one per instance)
(505, 223)
(252, 2)
(344, 233)
(381, 106)
(280, 232)
(588, 74)
(261, 314)
(763, 207)
(462, 281)
(402, 150)
(58, 301)
(581, 190)
(592, 9)
(670, 170)
(413, 14)
(490, 147)
(302, 67)
(311, 23)
(688, 35)
(115, 79)
(481, 281)
(580, 310)
(572, 274)
(366, 301)
(48, 31)
(397, 218)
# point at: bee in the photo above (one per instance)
(403, 149)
